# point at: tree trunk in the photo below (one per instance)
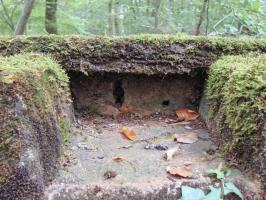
(207, 17)
(197, 31)
(110, 17)
(148, 7)
(22, 22)
(50, 16)
(155, 13)
(171, 6)
(118, 29)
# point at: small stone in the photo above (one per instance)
(161, 147)
(150, 146)
(188, 127)
(110, 174)
(84, 146)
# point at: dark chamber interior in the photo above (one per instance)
(142, 94)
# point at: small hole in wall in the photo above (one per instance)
(166, 103)
(118, 92)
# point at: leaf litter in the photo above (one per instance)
(186, 138)
(183, 171)
(184, 114)
(128, 133)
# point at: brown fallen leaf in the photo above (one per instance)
(183, 171)
(128, 133)
(118, 159)
(186, 138)
(124, 109)
(185, 114)
(170, 153)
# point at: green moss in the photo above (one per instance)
(64, 129)
(237, 105)
(33, 89)
(13, 67)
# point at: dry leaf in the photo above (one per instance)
(183, 171)
(186, 138)
(185, 114)
(124, 110)
(128, 133)
(118, 159)
(172, 152)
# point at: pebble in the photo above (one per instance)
(188, 127)
(159, 147)
(84, 146)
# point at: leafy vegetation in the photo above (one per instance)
(125, 17)
(215, 193)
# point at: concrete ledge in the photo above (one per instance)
(146, 54)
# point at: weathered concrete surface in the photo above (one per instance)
(140, 94)
(142, 174)
(146, 54)
(34, 115)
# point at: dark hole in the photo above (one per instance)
(118, 92)
(166, 103)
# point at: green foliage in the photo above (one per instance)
(91, 17)
(215, 193)
(189, 193)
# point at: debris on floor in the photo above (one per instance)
(185, 114)
(171, 153)
(128, 133)
(183, 171)
(186, 138)
(146, 155)
(110, 174)
(160, 147)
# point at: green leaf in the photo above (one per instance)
(231, 188)
(255, 6)
(214, 194)
(189, 193)
(218, 174)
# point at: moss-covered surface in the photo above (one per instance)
(237, 109)
(34, 95)
(145, 54)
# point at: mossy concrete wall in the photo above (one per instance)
(146, 54)
(236, 96)
(152, 55)
(34, 109)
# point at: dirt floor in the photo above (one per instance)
(100, 163)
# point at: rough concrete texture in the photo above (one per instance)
(140, 94)
(32, 109)
(146, 54)
(142, 172)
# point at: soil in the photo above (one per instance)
(140, 94)
(89, 170)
